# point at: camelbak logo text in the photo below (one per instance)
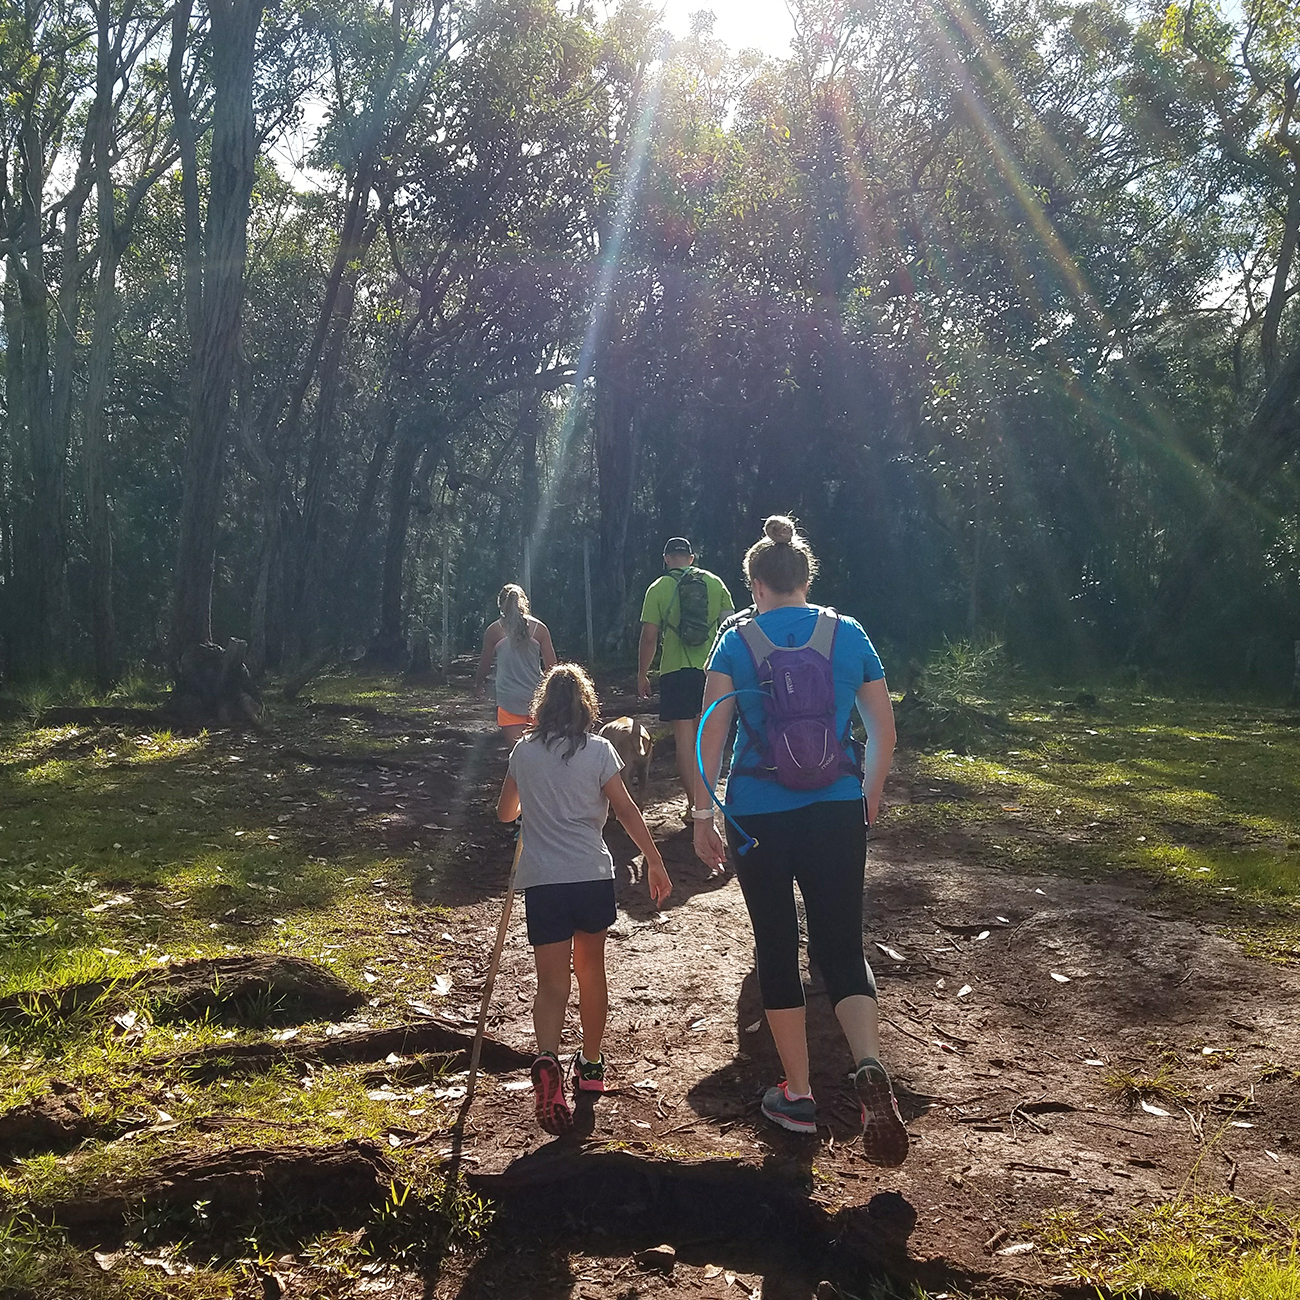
(789, 684)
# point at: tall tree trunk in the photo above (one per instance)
(616, 457)
(268, 559)
(357, 236)
(16, 630)
(389, 643)
(344, 612)
(225, 247)
(45, 521)
(530, 431)
(99, 368)
(1277, 299)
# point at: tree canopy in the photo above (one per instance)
(309, 311)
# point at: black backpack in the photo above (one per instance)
(692, 596)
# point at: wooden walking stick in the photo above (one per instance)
(477, 1050)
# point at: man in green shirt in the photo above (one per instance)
(688, 619)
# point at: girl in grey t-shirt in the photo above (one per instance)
(565, 780)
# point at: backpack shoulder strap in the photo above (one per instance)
(824, 630)
(756, 640)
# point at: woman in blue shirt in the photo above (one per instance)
(817, 837)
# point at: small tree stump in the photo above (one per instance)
(214, 686)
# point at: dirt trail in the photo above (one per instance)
(1016, 1009)
(1009, 999)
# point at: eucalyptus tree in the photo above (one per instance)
(46, 66)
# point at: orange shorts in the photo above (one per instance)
(505, 719)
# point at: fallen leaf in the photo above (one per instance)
(284, 1035)
(754, 1028)
(442, 985)
(1094, 1061)
(1017, 1248)
(1154, 1110)
(889, 952)
(1060, 979)
(712, 1271)
(1241, 1123)
(1271, 1156)
(517, 1085)
(964, 991)
(983, 934)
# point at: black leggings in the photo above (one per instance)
(823, 846)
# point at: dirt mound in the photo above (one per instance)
(257, 988)
(253, 988)
(55, 1123)
(339, 1184)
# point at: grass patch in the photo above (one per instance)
(1133, 1089)
(1203, 1249)
(1202, 793)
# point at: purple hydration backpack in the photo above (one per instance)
(799, 747)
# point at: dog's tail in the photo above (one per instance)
(637, 729)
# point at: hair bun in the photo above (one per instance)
(779, 528)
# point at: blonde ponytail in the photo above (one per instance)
(513, 604)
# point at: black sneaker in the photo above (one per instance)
(588, 1076)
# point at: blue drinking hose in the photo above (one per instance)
(747, 841)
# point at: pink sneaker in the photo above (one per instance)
(553, 1112)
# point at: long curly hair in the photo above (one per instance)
(565, 708)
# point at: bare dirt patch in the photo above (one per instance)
(1015, 1007)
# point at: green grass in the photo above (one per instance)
(1201, 793)
(123, 849)
(1211, 1249)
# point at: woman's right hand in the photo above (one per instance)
(709, 847)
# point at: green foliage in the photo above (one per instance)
(1194, 1249)
(413, 1225)
(966, 672)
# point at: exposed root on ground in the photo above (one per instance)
(224, 1061)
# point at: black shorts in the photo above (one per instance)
(556, 912)
(681, 695)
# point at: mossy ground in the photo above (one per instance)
(123, 849)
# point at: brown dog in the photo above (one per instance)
(635, 748)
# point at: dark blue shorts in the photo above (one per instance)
(556, 912)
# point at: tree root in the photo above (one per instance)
(219, 1061)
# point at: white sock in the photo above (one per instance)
(583, 1058)
(797, 1096)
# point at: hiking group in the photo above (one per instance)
(800, 796)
